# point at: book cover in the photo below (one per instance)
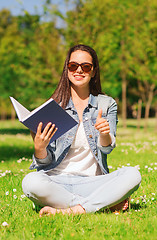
(49, 111)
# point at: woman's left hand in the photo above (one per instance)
(103, 127)
(102, 124)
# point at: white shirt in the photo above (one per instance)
(79, 160)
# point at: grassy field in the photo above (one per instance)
(18, 219)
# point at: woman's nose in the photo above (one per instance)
(79, 69)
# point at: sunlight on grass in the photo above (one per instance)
(18, 219)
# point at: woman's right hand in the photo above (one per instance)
(42, 139)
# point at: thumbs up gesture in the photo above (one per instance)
(101, 124)
(103, 127)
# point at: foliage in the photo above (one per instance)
(123, 33)
(31, 56)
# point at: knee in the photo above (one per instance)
(134, 176)
(30, 183)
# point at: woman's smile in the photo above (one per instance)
(78, 76)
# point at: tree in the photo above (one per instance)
(31, 60)
(110, 34)
(144, 52)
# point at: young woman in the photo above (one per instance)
(72, 174)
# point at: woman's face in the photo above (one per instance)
(79, 78)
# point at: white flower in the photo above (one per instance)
(132, 200)
(150, 169)
(137, 167)
(23, 196)
(146, 166)
(7, 193)
(110, 167)
(137, 201)
(15, 197)
(116, 213)
(14, 190)
(5, 224)
(153, 194)
(152, 198)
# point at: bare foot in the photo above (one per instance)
(78, 209)
(120, 206)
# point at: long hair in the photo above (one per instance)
(62, 93)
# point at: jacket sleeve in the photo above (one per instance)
(45, 161)
(111, 116)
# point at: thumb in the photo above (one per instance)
(99, 114)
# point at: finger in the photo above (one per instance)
(39, 129)
(99, 114)
(104, 130)
(52, 131)
(46, 129)
(102, 121)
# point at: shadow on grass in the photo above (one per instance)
(9, 153)
(136, 206)
(133, 206)
(14, 131)
(134, 126)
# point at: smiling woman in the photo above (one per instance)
(72, 172)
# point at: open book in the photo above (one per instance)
(49, 111)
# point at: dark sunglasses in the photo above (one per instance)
(86, 67)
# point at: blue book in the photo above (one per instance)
(49, 111)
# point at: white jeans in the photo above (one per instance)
(92, 193)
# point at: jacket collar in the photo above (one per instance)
(92, 101)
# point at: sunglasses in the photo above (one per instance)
(86, 67)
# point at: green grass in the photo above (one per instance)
(134, 148)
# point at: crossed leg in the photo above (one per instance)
(78, 209)
(79, 194)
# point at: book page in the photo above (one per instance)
(21, 111)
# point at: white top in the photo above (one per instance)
(79, 160)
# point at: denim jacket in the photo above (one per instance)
(57, 150)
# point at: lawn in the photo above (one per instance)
(18, 219)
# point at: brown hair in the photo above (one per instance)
(62, 92)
